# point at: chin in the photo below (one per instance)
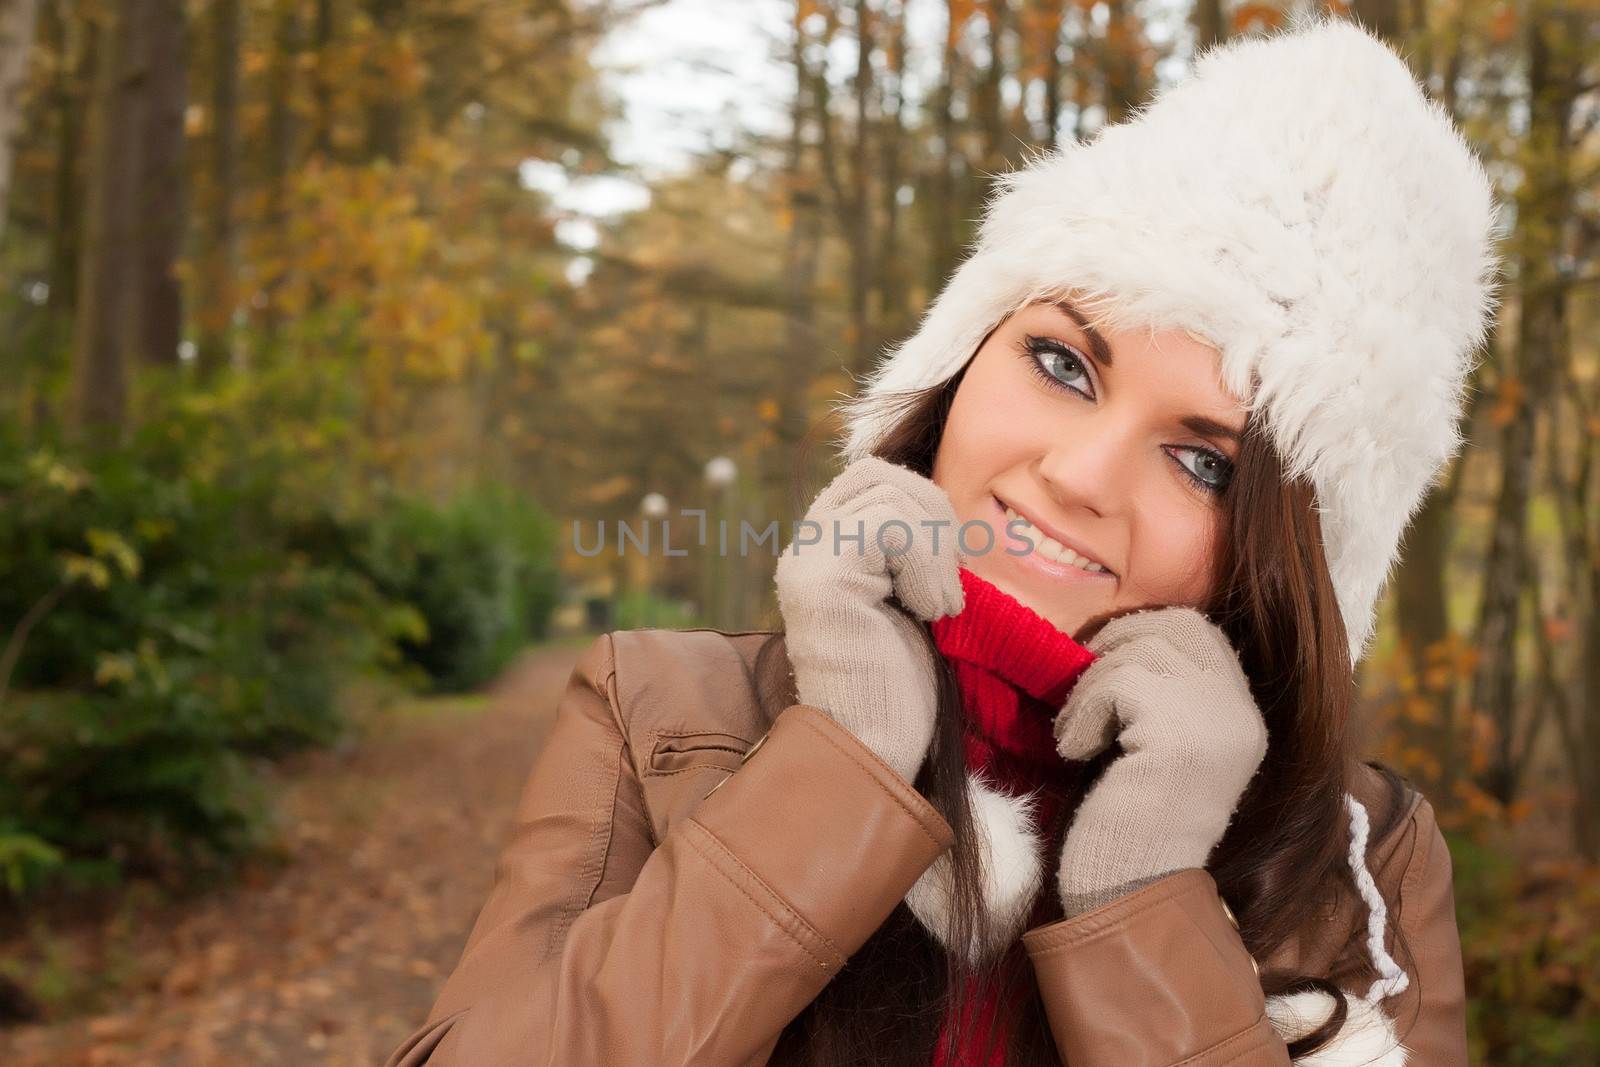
(1065, 617)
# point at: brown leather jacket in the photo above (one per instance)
(685, 875)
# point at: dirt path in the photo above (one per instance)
(335, 956)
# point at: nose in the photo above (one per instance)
(1087, 470)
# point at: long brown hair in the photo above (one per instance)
(1283, 850)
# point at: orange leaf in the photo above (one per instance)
(1250, 16)
(1508, 401)
(1437, 678)
(1503, 24)
(1419, 709)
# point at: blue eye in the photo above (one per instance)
(1057, 365)
(1213, 472)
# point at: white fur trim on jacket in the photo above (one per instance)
(1302, 205)
(1367, 1038)
(1010, 854)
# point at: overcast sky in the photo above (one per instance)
(688, 76)
(692, 72)
(691, 75)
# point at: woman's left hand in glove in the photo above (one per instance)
(1169, 686)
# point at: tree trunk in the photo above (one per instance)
(17, 19)
(1420, 607)
(70, 100)
(1574, 698)
(1380, 16)
(322, 81)
(385, 113)
(110, 248)
(987, 105)
(1124, 79)
(1210, 24)
(858, 210)
(942, 216)
(1544, 206)
(157, 304)
(802, 255)
(217, 281)
(1584, 758)
(279, 154)
(1053, 73)
(891, 272)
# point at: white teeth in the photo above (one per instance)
(1053, 549)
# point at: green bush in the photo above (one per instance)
(164, 631)
(642, 608)
(178, 609)
(479, 571)
(1531, 950)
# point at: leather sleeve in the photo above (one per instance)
(594, 948)
(1430, 1014)
(1160, 976)
(1155, 978)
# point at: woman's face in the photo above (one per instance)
(1100, 442)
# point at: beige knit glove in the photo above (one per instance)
(1169, 686)
(855, 655)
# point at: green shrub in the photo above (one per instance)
(185, 606)
(164, 633)
(480, 571)
(642, 608)
(1531, 950)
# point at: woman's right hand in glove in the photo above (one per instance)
(856, 655)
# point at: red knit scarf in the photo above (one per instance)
(1015, 670)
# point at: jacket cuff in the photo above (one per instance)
(1154, 978)
(855, 836)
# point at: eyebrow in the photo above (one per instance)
(1202, 425)
(1102, 352)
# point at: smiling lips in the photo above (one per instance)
(1052, 549)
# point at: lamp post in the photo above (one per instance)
(720, 474)
(652, 507)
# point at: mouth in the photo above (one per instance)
(1054, 547)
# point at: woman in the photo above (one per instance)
(1086, 792)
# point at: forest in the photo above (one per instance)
(311, 364)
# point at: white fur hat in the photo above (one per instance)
(1299, 204)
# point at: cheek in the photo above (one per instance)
(979, 444)
(995, 423)
(1172, 554)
